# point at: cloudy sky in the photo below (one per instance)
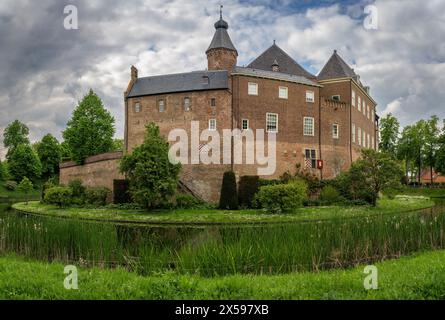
(45, 69)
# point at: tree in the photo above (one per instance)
(440, 155)
(431, 136)
(118, 145)
(2, 171)
(389, 132)
(407, 148)
(24, 162)
(377, 171)
(229, 195)
(153, 178)
(26, 187)
(90, 130)
(15, 134)
(50, 155)
(65, 151)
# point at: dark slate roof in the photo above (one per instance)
(336, 67)
(285, 62)
(273, 75)
(221, 39)
(180, 82)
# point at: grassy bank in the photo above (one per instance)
(6, 194)
(385, 206)
(417, 277)
(428, 192)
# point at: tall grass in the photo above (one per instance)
(223, 250)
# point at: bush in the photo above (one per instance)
(329, 194)
(50, 183)
(229, 194)
(248, 187)
(97, 196)
(78, 190)
(60, 196)
(186, 201)
(10, 185)
(283, 197)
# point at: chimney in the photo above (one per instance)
(134, 73)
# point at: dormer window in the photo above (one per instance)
(205, 80)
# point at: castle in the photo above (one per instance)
(320, 122)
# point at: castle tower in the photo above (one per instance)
(221, 54)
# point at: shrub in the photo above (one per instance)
(186, 201)
(229, 195)
(10, 185)
(60, 196)
(329, 194)
(269, 182)
(283, 197)
(50, 183)
(248, 187)
(26, 187)
(78, 190)
(97, 196)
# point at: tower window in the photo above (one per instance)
(245, 124)
(213, 102)
(310, 96)
(308, 126)
(282, 92)
(335, 131)
(252, 89)
(272, 122)
(161, 105)
(137, 107)
(212, 124)
(187, 104)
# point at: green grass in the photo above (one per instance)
(209, 216)
(428, 192)
(416, 277)
(6, 194)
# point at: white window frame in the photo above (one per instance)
(212, 124)
(364, 138)
(242, 124)
(335, 131)
(353, 98)
(137, 107)
(252, 88)
(368, 112)
(359, 136)
(359, 103)
(353, 133)
(372, 115)
(187, 108)
(267, 122)
(364, 107)
(313, 160)
(305, 133)
(161, 102)
(283, 92)
(310, 96)
(369, 141)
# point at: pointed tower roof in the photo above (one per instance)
(287, 64)
(221, 39)
(336, 67)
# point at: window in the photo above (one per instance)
(213, 102)
(161, 105)
(353, 98)
(137, 107)
(252, 89)
(310, 96)
(335, 131)
(245, 124)
(359, 104)
(372, 115)
(368, 112)
(187, 104)
(272, 122)
(369, 141)
(336, 97)
(282, 92)
(308, 126)
(311, 157)
(212, 124)
(353, 133)
(364, 107)
(359, 136)
(364, 139)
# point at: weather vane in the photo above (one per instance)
(220, 11)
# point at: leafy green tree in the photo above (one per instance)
(24, 162)
(440, 155)
(26, 187)
(118, 145)
(65, 151)
(153, 178)
(90, 130)
(431, 138)
(407, 148)
(15, 134)
(3, 172)
(377, 171)
(389, 132)
(50, 155)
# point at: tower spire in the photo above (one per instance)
(220, 11)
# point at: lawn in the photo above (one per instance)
(420, 276)
(428, 192)
(203, 216)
